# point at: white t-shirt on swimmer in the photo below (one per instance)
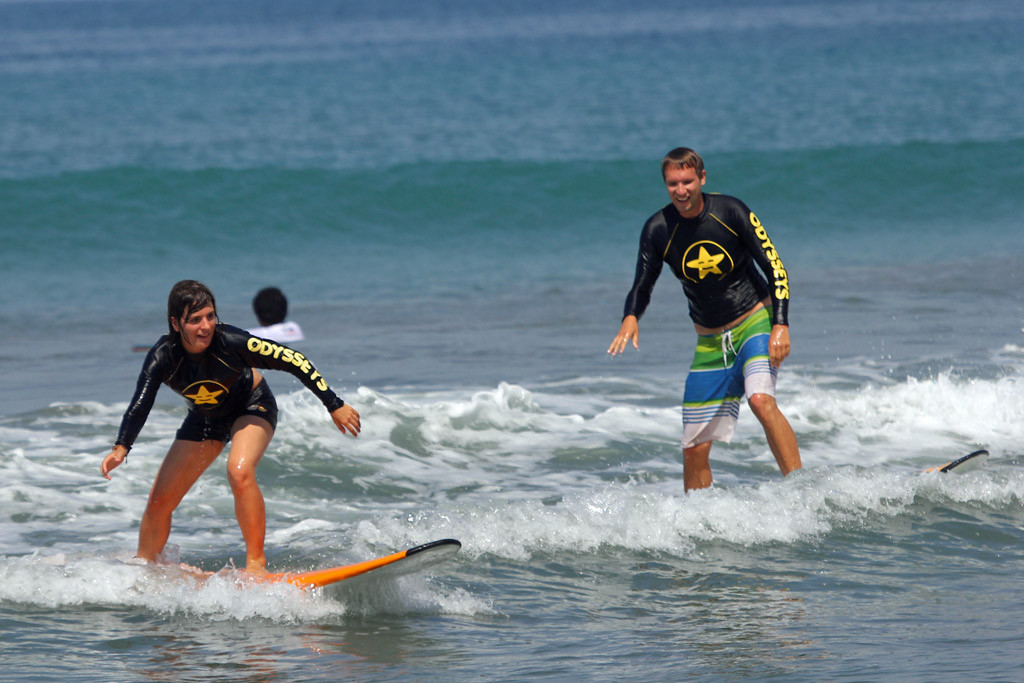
(285, 332)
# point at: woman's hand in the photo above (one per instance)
(347, 419)
(114, 458)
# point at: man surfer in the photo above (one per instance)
(216, 368)
(712, 243)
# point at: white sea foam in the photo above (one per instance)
(57, 581)
(916, 420)
(511, 436)
(804, 507)
(512, 472)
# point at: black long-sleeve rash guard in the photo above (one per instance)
(713, 255)
(219, 383)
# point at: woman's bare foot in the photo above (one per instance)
(257, 568)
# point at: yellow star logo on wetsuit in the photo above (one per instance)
(204, 396)
(705, 264)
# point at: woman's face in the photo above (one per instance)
(196, 329)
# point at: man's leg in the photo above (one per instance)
(697, 466)
(780, 435)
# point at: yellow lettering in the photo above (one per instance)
(315, 376)
(778, 270)
(265, 348)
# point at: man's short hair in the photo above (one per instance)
(682, 157)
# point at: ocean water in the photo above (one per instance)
(450, 193)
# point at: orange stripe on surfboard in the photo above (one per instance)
(324, 577)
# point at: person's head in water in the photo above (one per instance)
(270, 306)
(187, 299)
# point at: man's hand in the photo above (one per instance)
(630, 330)
(778, 344)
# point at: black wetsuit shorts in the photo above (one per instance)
(197, 427)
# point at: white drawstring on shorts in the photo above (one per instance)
(727, 347)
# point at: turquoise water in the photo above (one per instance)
(451, 196)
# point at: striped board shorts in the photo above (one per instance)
(725, 367)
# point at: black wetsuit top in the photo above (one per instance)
(714, 256)
(218, 384)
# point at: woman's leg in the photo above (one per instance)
(249, 440)
(182, 465)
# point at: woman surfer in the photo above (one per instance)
(216, 368)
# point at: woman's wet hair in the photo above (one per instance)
(186, 297)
